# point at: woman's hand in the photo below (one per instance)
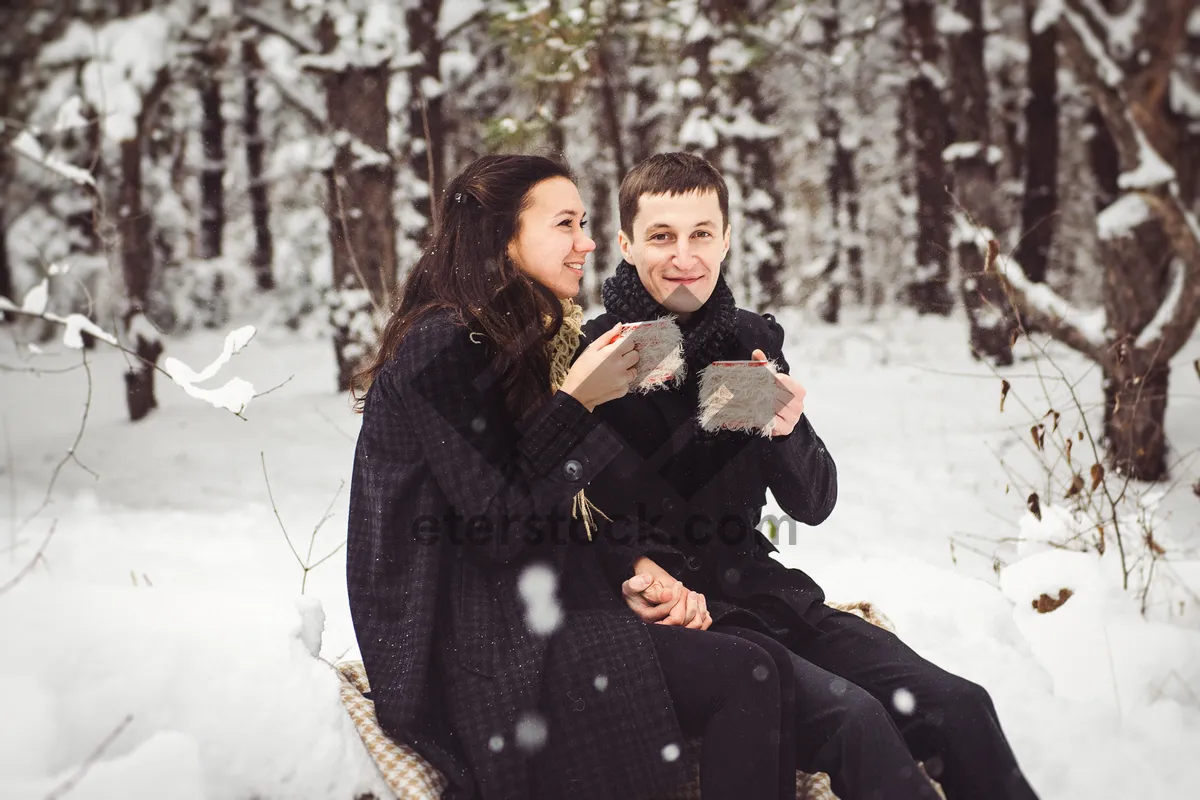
(654, 596)
(603, 370)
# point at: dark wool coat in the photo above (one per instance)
(706, 491)
(439, 470)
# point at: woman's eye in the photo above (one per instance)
(583, 223)
(565, 222)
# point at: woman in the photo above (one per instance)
(490, 636)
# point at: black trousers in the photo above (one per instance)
(726, 689)
(864, 708)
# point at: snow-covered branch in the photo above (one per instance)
(234, 396)
(297, 38)
(1046, 309)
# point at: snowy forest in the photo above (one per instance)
(976, 219)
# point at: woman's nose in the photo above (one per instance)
(585, 243)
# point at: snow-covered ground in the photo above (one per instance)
(161, 640)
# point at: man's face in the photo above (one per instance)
(678, 244)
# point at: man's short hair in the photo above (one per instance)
(670, 174)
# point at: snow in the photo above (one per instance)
(1047, 14)
(966, 150)
(1166, 311)
(1183, 97)
(1041, 297)
(951, 23)
(122, 60)
(167, 591)
(26, 145)
(1122, 217)
(236, 394)
(1107, 69)
(36, 298)
(1151, 170)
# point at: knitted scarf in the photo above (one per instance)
(561, 350)
(705, 334)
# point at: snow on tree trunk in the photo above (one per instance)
(973, 163)
(362, 223)
(929, 291)
(260, 209)
(212, 138)
(830, 128)
(1039, 205)
(426, 119)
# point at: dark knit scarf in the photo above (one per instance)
(707, 332)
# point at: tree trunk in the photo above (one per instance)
(6, 282)
(1040, 202)
(929, 292)
(212, 173)
(426, 119)
(1135, 382)
(830, 129)
(988, 312)
(137, 266)
(763, 230)
(362, 220)
(260, 208)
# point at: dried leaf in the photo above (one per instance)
(1038, 432)
(1076, 485)
(1097, 475)
(1045, 603)
(1154, 546)
(1056, 418)
(1069, 444)
(1034, 506)
(1004, 387)
(1081, 436)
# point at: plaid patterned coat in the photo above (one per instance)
(449, 502)
(705, 493)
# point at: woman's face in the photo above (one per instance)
(550, 246)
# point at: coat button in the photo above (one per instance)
(573, 470)
(693, 563)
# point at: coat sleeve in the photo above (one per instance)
(509, 488)
(797, 467)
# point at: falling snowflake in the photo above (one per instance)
(904, 701)
(760, 672)
(671, 752)
(838, 686)
(496, 743)
(543, 614)
(531, 732)
(601, 683)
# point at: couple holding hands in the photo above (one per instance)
(527, 665)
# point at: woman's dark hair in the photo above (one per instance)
(466, 268)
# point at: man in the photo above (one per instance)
(865, 706)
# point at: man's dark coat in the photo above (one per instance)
(706, 492)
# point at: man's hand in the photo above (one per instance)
(669, 604)
(789, 400)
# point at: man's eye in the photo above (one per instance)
(704, 233)
(658, 237)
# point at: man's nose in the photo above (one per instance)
(682, 255)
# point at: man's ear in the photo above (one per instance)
(625, 245)
(725, 240)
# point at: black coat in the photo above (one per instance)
(706, 492)
(433, 584)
